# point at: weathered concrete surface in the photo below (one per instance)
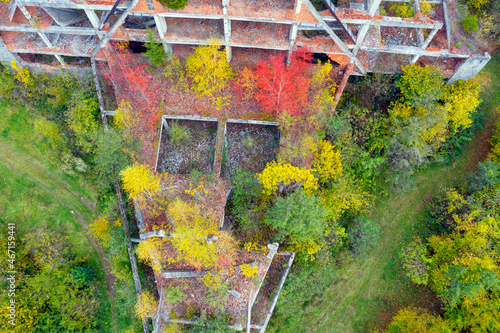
(6, 55)
(64, 16)
(470, 68)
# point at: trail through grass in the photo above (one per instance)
(364, 294)
(33, 194)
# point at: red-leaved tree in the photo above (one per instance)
(283, 88)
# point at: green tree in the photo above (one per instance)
(109, 158)
(298, 215)
(156, 51)
(362, 234)
(415, 261)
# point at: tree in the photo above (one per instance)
(146, 306)
(197, 239)
(140, 182)
(298, 215)
(155, 52)
(208, 69)
(461, 100)
(411, 320)
(283, 88)
(174, 4)
(464, 263)
(151, 252)
(110, 157)
(277, 175)
(421, 86)
(82, 120)
(327, 161)
(362, 234)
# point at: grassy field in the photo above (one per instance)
(363, 295)
(34, 194)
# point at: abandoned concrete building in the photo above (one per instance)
(355, 36)
(50, 35)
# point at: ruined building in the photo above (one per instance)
(354, 35)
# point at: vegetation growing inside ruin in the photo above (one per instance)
(347, 192)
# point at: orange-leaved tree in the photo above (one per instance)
(283, 88)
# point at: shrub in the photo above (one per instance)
(470, 23)
(488, 174)
(174, 294)
(362, 235)
(179, 134)
(174, 4)
(298, 215)
(415, 261)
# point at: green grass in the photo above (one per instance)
(33, 194)
(362, 295)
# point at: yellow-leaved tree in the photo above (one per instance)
(140, 182)
(197, 239)
(327, 162)
(461, 100)
(277, 173)
(146, 305)
(209, 71)
(150, 252)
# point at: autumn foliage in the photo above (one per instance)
(283, 88)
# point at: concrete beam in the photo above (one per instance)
(7, 55)
(161, 25)
(447, 22)
(67, 54)
(335, 38)
(115, 27)
(364, 29)
(411, 50)
(12, 10)
(94, 20)
(388, 22)
(425, 44)
(298, 7)
(293, 36)
(50, 30)
(181, 274)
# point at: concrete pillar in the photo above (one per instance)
(94, 20)
(227, 31)
(161, 25)
(470, 67)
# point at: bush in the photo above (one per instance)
(298, 215)
(470, 23)
(362, 235)
(415, 262)
(179, 134)
(174, 4)
(488, 174)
